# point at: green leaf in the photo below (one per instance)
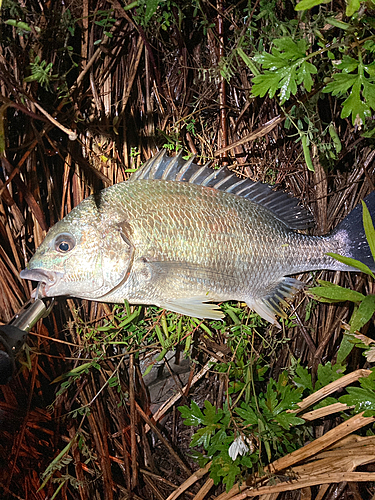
(369, 69)
(369, 93)
(341, 84)
(247, 60)
(354, 106)
(352, 6)
(230, 478)
(289, 399)
(335, 293)
(369, 134)
(51, 467)
(304, 75)
(348, 64)
(249, 460)
(363, 314)
(203, 435)
(287, 68)
(211, 413)
(219, 439)
(369, 229)
(289, 396)
(247, 414)
(352, 263)
(270, 397)
(291, 50)
(74, 372)
(346, 347)
(327, 374)
(287, 84)
(335, 138)
(151, 7)
(338, 24)
(18, 24)
(309, 4)
(303, 378)
(131, 5)
(272, 61)
(287, 420)
(268, 82)
(369, 46)
(129, 318)
(369, 381)
(193, 415)
(363, 399)
(306, 152)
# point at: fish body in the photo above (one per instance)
(181, 236)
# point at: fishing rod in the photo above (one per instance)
(13, 335)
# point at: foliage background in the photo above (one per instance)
(251, 85)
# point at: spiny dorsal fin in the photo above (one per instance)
(163, 167)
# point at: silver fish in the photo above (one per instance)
(181, 236)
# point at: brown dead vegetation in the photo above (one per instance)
(128, 93)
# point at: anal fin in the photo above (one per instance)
(195, 307)
(269, 305)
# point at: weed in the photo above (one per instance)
(338, 62)
(41, 72)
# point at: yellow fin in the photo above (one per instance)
(268, 305)
(195, 307)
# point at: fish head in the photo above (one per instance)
(80, 258)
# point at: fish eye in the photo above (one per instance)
(64, 243)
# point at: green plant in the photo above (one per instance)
(337, 60)
(41, 72)
(355, 77)
(61, 462)
(248, 433)
(352, 6)
(286, 67)
(22, 28)
(104, 19)
(243, 435)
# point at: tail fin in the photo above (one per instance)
(352, 231)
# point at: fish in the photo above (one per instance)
(184, 237)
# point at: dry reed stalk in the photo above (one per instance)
(158, 415)
(325, 391)
(204, 490)
(342, 454)
(189, 482)
(162, 439)
(124, 90)
(133, 422)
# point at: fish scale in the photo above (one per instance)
(181, 236)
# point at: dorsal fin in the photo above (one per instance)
(164, 167)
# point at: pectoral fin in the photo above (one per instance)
(269, 305)
(194, 306)
(182, 276)
(185, 273)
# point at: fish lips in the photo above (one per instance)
(48, 279)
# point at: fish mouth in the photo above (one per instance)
(48, 279)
